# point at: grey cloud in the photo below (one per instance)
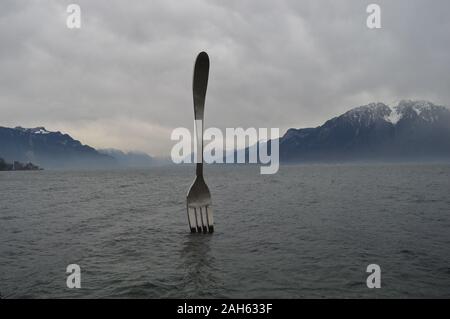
(124, 79)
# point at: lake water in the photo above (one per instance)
(308, 231)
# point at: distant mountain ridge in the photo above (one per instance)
(49, 149)
(130, 159)
(412, 130)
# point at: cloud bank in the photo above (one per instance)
(124, 79)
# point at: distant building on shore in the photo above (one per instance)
(17, 166)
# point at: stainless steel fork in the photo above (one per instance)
(198, 203)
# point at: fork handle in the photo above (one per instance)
(199, 86)
(199, 146)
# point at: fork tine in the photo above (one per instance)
(209, 218)
(204, 220)
(191, 219)
(198, 220)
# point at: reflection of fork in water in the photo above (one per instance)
(201, 274)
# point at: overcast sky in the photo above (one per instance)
(124, 79)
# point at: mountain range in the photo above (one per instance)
(410, 131)
(131, 159)
(49, 149)
(58, 150)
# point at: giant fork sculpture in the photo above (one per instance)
(199, 211)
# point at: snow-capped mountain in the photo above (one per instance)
(36, 130)
(422, 110)
(406, 109)
(412, 130)
(49, 149)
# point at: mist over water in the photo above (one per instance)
(307, 231)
